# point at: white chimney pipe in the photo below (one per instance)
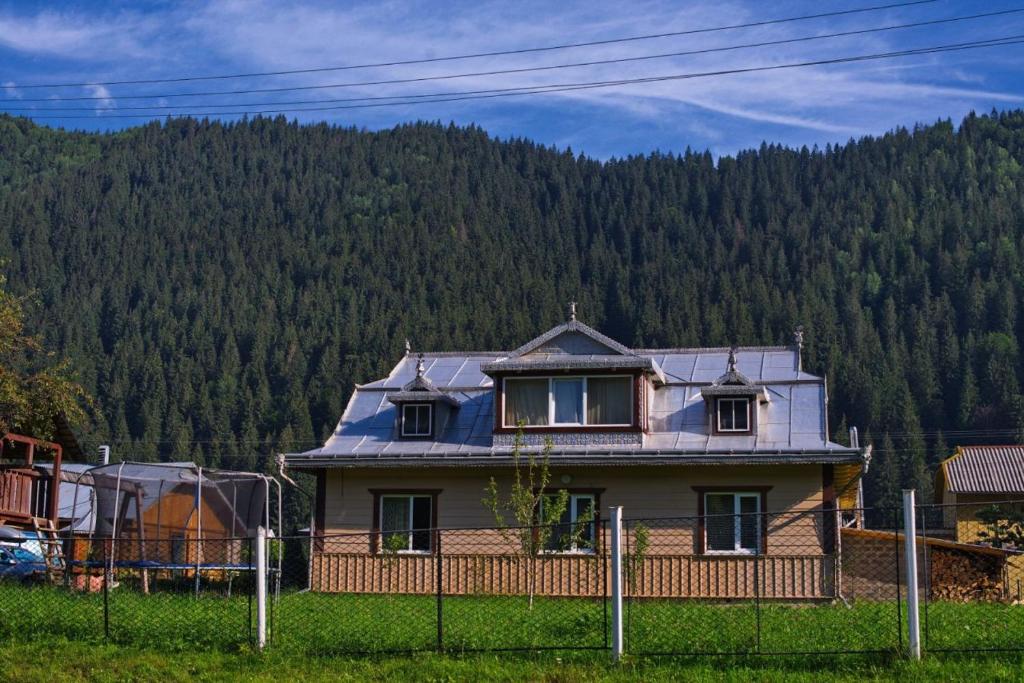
(105, 454)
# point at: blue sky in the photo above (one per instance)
(78, 42)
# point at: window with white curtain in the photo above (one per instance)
(565, 401)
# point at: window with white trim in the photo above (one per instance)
(417, 419)
(576, 529)
(733, 414)
(569, 401)
(732, 523)
(405, 522)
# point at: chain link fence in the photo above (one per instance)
(729, 581)
(760, 583)
(971, 560)
(445, 589)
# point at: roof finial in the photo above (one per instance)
(572, 310)
(408, 347)
(419, 366)
(732, 359)
(798, 337)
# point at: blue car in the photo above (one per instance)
(20, 564)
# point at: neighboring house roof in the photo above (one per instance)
(982, 469)
(793, 429)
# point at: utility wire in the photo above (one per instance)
(618, 60)
(528, 50)
(569, 87)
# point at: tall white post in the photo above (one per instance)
(261, 587)
(910, 546)
(616, 582)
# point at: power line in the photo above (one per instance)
(549, 48)
(569, 87)
(618, 60)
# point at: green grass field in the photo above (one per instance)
(57, 660)
(330, 625)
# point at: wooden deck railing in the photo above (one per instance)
(797, 577)
(16, 493)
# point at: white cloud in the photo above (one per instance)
(106, 102)
(820, 102)
(77, 36)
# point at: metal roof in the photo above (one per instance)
(985, 469)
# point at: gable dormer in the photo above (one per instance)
(732, 402)
(570, 382)
(423, 410)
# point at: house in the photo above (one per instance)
(975, 478)
(727, 448)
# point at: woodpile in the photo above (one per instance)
(965, 577)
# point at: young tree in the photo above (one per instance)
(534, 510)
(34, 387)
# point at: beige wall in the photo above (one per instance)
(968, 505)
(643, 491)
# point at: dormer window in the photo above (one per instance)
(417, 419)
(568, 401)
(733, 415)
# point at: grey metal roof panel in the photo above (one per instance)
(794, 417)
(986, 469)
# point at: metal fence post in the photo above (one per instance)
(910, 547)
(106, 592)
(261, 587)
(439, 569)
(616, 582)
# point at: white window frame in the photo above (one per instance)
(737, 536)
(732, 400)
(408, 550)
(551, 401)
(430, 419)
(573, 519)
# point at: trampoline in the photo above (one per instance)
(172, 517)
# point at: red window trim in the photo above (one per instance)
(499, 404)
(751, 417)
(700, 540)
(375, 533)
(596, 493)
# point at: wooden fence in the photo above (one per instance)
(795, 577)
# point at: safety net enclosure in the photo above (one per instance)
(175, 515)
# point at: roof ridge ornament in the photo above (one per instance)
(419, 366)
(572, 311)
(798, 340)
(408, 346)
(731, 367)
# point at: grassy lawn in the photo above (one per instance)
(45, 660)
(330, 624)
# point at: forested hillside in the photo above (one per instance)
(221, 287)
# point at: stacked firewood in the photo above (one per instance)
(965, 577)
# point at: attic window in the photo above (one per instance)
(417, 419)
(569, 401)
(733, 415)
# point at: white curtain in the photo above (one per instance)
(608, 401)
(526, 400)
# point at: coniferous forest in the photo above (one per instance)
(220, 287)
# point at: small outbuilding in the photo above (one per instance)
(975, 478)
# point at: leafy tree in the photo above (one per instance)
(34, 386)
(528, 516)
